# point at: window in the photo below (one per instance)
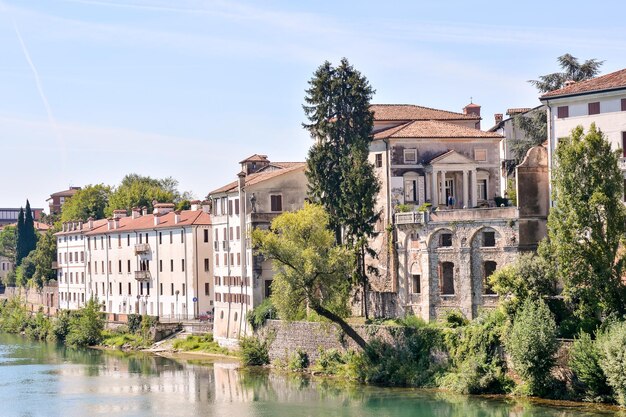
(230, 207)
(82, 256)
(109, 241)
(160, 265)
(127, 240)
(110, 270)
(624, 144)
(160, 238)
(161, 289)
(594, 108)
(140, 238)
(489, 267)
(268, 288)
(489, 239)
(410, 189)
(445, 240)
(236, 206)
(206, 235)
(276, 202)
(238, 233)
(415, 284)
(182, 236)
(238, 259)
(206, 288)
(480, 155)
(562, 112)
(410, 156)
(172, 288)
(446, 278)
(481, 189)
(206, 264)
(231, 234)
(128, 266)
(119, 265)
(171, 265)
(171, 238)
(71, 257)
(378, 160)
(624, 104)
(182, 265)
(232, 259)
(120, 288)
(217, 260)
(129, 289)
(183, 289)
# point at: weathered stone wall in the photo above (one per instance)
(313, 336)
(379, 304)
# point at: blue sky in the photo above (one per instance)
(91, 90)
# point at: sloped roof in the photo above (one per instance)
(273, 170)
(398, 112)
(433, 129)
(128, 224)
(255, 158)
(517, 110)
(612, 81)
(66, 193)
(451, 156)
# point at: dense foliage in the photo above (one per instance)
(612, 348)
(89, 201)
(253, 351)
(584, 361)
(259, 314)
(572, 70)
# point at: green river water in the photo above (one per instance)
(38, 379)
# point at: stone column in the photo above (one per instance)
(465, 189)
(442, 199)
(474, 189)
(433, 188)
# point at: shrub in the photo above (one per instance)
(85, 326)
(14, 316)
(532, 345)
(584, 361)
(39, 327)
(61, 326)
(612, 348)
(202, 343)
(134, 322)
(254, 352)
(477, 363)
(298, 361)
(261, 313)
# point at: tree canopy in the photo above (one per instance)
(340, 176)
(310, 270)
(587, 224)
(572, 70)
(7, 242)
(89, 201)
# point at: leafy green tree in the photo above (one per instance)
(85, 326)
(44, 254)
(584, 361)
(612, 346)
(139, 191)
(7, 242)
(535, 127)
(26, 270)
(532, 344)
(587, 224)
(310, 269)
(572, 70)
(340, 176)
(89, 201)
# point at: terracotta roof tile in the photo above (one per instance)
(610, 81)
(433, 129)
(407, 112)
(255, 158)
(518, 110)
(128, 224)
(271, 171)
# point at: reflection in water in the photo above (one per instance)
(48, 380)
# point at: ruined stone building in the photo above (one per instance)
(443, 228)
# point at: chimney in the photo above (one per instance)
(163, 208)
(64, 226)
(80, 225)
(195, 205)
(90, 223)
(176, 217)
(136, 212)
(110, 224)
(206, 206)
(144, 211)
(116, 222)
(118, 214)
(568, 83)
(473, 110)
(157, 219)
(498, 117)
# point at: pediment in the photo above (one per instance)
(452, 157)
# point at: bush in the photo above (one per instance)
(584, 361)
(39, 327)
(203, 343)
(298, 361)
(254, 352)
(261, 313)
(14, 316)
(477, 363)
(532, 345)
(85, 326)
(61, 326)
(134, 322)
(612, 348)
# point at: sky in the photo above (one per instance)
(92, 90)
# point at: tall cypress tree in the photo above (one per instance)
(19, 230)
(337, 106)
(30, 236)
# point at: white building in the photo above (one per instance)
(156, 264)
(263, 190)
(601, 100)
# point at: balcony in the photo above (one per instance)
(142, 248)
(411, 217)
(225, 245)
(142, 276)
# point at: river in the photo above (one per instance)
(39, 379)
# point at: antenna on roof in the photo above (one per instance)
(471, 102)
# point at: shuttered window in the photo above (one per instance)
(594, 108)
(562, 112)
(276, 202)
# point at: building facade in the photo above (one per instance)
(441, 233)
(263, 190)
(157, 264)
(56, 200)
(600, 100)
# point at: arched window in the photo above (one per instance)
(446, 278)
(489, 267)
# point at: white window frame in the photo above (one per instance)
(409, 160)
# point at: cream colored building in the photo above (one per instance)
(262, 191)
(157, 264)
(600, 100)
